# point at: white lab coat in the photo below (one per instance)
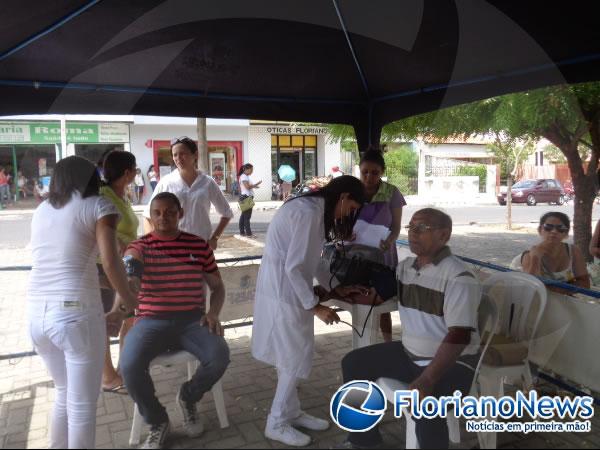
(283, 330)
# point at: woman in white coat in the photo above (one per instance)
(285, 304)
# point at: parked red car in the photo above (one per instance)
(533, 192)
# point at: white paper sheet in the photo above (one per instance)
(369, 234)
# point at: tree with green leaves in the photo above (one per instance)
(566, 115)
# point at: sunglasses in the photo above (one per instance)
(419, 228)
(181, 140)
(560, 228)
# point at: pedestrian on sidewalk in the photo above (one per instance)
(140, 184)
(285, 304)
(4, 187)
(67, 324)
(196, 192)
(119, 170)
(384, 207)
(246, 191)
(152, 177)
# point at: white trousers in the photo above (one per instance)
(286, 404)
(70, 336)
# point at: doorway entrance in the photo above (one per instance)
(297, 151)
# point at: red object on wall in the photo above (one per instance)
(148, 143)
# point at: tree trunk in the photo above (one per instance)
(509, 202)
(585, 193)
(202, 145)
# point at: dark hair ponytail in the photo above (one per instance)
(73, 174)
(116, 163)
(244, 168)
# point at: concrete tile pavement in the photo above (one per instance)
(248, 386)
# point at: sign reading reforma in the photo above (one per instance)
(49, 133)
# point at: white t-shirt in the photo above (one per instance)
(64, 249)
(243, 189)
(139, 181)
(195, 200)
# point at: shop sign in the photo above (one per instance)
(292, 130)
(113, 132)
(11, 133)
(49, 133)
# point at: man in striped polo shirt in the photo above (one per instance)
(172, 267)
(440, 342)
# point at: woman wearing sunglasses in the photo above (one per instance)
(554, 259)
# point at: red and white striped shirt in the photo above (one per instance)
(172, 285)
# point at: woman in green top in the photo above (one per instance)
(119, 172)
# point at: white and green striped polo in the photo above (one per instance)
(441, 295)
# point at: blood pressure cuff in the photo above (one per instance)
(133, 267)
(385, 283)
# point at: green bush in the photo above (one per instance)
(402, 168)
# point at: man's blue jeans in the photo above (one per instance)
(150, 338)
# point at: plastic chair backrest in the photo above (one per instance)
(518, 292)
(487, 321)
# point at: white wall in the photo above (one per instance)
(450, 188)
(259, 144)
(456, 150)
(329, 155)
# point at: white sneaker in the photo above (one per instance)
(192, 422)
(309, 422)
(156, 437)
(288, 435)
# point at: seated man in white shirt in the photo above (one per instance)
(440, 342)
(195, 191)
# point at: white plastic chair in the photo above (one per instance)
(488, 320)
(514, 301)
(514, 294)
(170, 359)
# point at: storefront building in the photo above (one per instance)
(32, 145)
(32, 148)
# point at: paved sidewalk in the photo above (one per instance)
(27, 394)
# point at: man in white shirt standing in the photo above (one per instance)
(196, 191)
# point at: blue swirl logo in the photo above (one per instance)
(358, 406)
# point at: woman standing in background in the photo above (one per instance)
(246, 190)
(384, 207)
